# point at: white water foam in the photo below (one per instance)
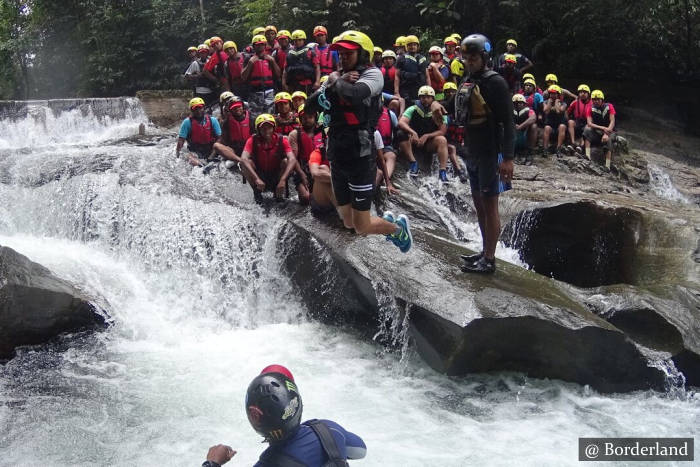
(661, 184)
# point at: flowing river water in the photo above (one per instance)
(185, 265)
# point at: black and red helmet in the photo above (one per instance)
(273, 405)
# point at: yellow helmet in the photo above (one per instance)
(511, 58)
(378, 49)
(264, 118)
(226, 95)
(528, 76)
(282, 97)
(554, 88)
(457, 68)
(412, 40)
(512, 41)
(354, 37)
(257, 39)
(449, 85)
(583, 87)
(597, 94)
(191, 48)
(214, 39)
(270, 28)
(426, 91)
(258, 30)
(435, 49)
(323, 79)
(389, 53)
(229, 44)
(400, 41)
(519, 98)
(450, 40)
(299, 94)
(284, 33)
(456, 36)
(551, 77)
(530, 81)
(196, 102)
(207, 42)
(298, 34)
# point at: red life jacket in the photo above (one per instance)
(284, 127)
(280, 56)
(201, 134)
(268, 158)
(389, 77)
(234, 68)
(455, 134)
(239, 132)
(325, 58)
(580, 109)
(307, 144)
(385, 127)
(261, 75)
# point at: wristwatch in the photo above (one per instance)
(210, 464)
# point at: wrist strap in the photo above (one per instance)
(210, 464)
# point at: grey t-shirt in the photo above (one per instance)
(196, 68)
(374, 80)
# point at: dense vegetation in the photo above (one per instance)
(115, 47)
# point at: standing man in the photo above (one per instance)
(411, 66)
(259, 73)
(327, 58)
(522, 62)
(352, 98)
(485, 109)
(302, 71)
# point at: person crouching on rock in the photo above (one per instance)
(268, 160)
(274, 407)
(202, 133)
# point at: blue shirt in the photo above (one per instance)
(186, 127)
(305, 446)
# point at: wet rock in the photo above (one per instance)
(588, 244)
(667, 321)
(36, 306)
(515, 320)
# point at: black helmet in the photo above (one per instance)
(477, 43)
(273, 405)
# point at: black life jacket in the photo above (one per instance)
(411, 67)
(422, 121)
(299, 64)
(522, 116)
(330, 447)
(601, 115)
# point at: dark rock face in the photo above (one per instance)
(36, 306)
(515, 320)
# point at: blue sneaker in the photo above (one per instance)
(389, 216)
(413, 169)
(403, 239)
(443, 176)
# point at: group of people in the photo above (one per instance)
(334, 117)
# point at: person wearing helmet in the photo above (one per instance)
(352, 99)
(554, 120)
(285, 118)
(511, 74)
(551, 79)
(577, 114)
(215, 68)
(400, 46)
(377, 57)
(298, 99)
(522, 63)
(234, 69)
(302, 72)
(268, 161)
(308, 137)
(455, 132)
(225, 99)
(436, 73)
(271, 36)
(192, 53)
(237, 127)
(259, 73)
(525, 128)
(534, 100)
(327, 58)
(283, 48)
(201, 132)
(390, 92)
(484, 107)
(450, 53)
(193, 75)
(600, 128)
(274, 408)
(411, 66)
(422, 129)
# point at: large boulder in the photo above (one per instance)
(36, 306)
(514, 320)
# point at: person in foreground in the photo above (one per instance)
(484, 106)
(273, 405)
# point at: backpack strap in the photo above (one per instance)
(280, 459)
(327, 442)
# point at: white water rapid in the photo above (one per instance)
(185, 264)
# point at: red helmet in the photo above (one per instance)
(277, 369)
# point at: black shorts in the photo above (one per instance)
(271, 179)
(579, 125)
(353, 167)
(484, 178)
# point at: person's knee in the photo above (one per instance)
(440, 142)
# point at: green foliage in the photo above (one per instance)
(114, 47)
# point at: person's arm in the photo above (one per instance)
(320, 173)
(609, 128)
(404, 125)
(294, 142)
(275, 68)
(249, 67)
(441, 131)
(285, 86)
(220, 454)
(317, 70)
(182, 135)
(427, 76)
(502, 109)
(531, 118)
(178, 148)
(528, 64)
(397, 83)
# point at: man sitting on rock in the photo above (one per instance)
(202, 133)
(525, 127)
(601, 126)
(419, 126)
